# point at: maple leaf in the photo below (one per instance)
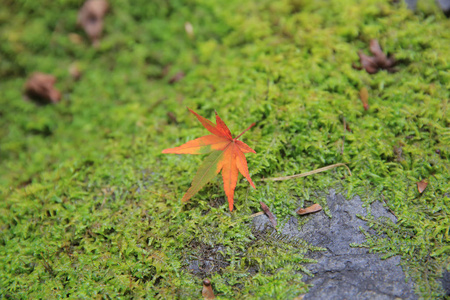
(226, 155)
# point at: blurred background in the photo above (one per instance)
(92, 92)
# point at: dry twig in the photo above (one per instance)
(307, 173)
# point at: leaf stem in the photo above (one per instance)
(253, 124)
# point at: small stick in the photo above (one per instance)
(253, 124)
(390, 210)
(307, 173)
(343, 138)
(257, 214)
(269, 214)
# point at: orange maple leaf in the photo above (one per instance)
(226, 155)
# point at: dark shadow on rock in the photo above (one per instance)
(344, 272)
(446, 282)
(445, 5)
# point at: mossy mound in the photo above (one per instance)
(91, 208)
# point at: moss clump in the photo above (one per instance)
(90, 208)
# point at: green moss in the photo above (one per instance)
(91, 208)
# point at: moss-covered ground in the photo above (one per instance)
(90, 208)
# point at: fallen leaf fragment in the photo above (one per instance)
(90, 17)
(379, 60)
(364, 96)
(226, 154)
(422, 185)
(177, 77)
(207, 291)
(40, 88)
(267, 211)
(312, 209)
(382, 60)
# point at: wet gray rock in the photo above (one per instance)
(208, 260)
(446, 282)
(444, 4)
(412, 4)
(345, 272)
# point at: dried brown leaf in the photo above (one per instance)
(177, 77)
(207, 291)
(267, 211)
(376, 50)
(313, 208)
(379, 60)
(39, 87)
(364, 96)
(369, 63)
(422, 185)
(90, 17)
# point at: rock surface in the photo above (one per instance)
(446, 282)
(412, 4)
(345, 272)
(444, 4)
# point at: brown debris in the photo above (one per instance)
(379, 60)
(347, 127)
(39, 87)
(398, 152)
(74, 71)
(345, 123)
(364, 96)
(165, 71)
(313, 208)
(189, 29)
(207, 291)
(177, 77)
(267, 211)
(75, 39)
(422, 185)
(90, 17)
(172, 117)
